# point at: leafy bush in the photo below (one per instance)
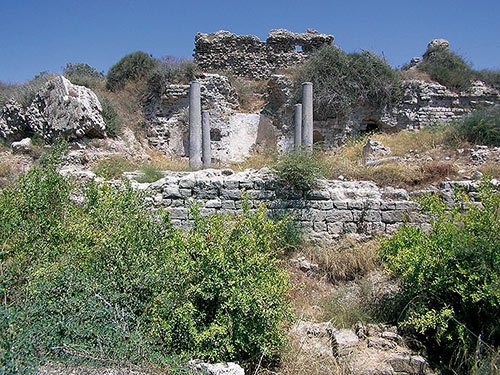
(82, 74)
(299, 169)
(480, 127)
(104, 278)
(450, 278)
(130, 68)
(447, 68)
(343, 81)
(169, 70)
(110, 116)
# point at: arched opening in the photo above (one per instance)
(369, 126)
(215, 135)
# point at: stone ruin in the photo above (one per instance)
(248, 56)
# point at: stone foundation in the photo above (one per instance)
(335, 208)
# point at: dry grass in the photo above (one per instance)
(491, 169)
(165, 163)
(258, 160)
(9, 170)
(345, 260)
(414, 73)
(297, 361)
(250, 93)
(348, 161)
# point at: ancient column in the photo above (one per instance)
(298, 125)
(205, 143)
(307, 114)
(194, 126)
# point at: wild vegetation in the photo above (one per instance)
(450, 291)
(103, 278)
(343, 81)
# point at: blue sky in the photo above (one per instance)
(45, 35)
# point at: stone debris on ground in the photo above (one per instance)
(368, 349)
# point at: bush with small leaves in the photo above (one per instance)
(91, 273)
(130, 68)
(450, 278)
(299, 169)
(82, 74)
(343, 81)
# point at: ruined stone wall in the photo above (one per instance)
(335, 208)
(247, 56)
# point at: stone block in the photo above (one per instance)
(228, 205)
(177, 203)
(179, 213)
(371, 216)
(350, 228)
(405, 205)
(187, 182)
(340, 205)
(335, 216)
(206, 193)
(213, 203)
(394, 216)
(386, 206)
(186, 192)
(230, 194)
(355, 205)
(231, 184)
(264, 194)
(206, 211)
(317, 194)
(171, 191)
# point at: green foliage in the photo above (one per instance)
(130, 68)
(169, 70)
(110, 116)
(105, 278)
(343, 81)
(299, 169)
(151, 174)
(480, 127)
(450, 291)
(447, 68)
(82, 74)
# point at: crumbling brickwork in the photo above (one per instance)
(248, 56)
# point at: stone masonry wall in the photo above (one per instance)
(248, 56)
(334, 209)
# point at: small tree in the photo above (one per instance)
(130, 67)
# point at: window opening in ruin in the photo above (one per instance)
(298, 48)
(215, 135)
(369, 126)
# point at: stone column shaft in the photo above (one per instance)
(205, 144)
(298, 126)
(194, 126)
(307, 114)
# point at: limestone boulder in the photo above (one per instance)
(61, 109)
(229, 368)
(374, 150)
(13, 123)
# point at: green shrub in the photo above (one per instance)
(480, 127)
(151, 174)
(450, 278)
(82, 74)
(299, 169)
(447, 68)
(343, 81)
(130, 68)
(169, 70)
(105, 278)
(110, 116)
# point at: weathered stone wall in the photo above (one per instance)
(334, 209)
(423, 104)
(248, 56)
